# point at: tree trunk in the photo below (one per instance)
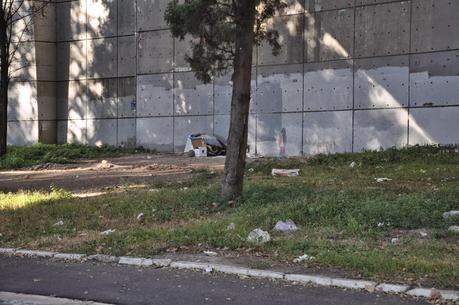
(4, 80)
(240, 102)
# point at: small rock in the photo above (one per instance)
(231, 227)
(286, 226)
(423, 234)
(59, 223)
(450, 214)
(352, 165)
(251, 170)
(108, 232)
(303, 258)
(258, 236)
(210, 253)
(454, 229)
(395, 240)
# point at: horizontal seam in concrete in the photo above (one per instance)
(243, 271)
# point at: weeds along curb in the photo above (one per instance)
(370, 286)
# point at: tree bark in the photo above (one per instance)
(4, 81)
(237, 140)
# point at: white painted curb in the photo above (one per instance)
(228, 269)
(69, 256)
(32, 253)
(309, 279)
(392, 288)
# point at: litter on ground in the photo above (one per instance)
(203, 145)
(303, 258)
(108, 232)
(379, 180)
(285, 172)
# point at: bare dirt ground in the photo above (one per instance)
(97, 174)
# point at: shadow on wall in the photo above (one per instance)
(93, 104)
(381, 119)
(87, 88)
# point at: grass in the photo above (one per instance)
(346, 219)
(25, 156)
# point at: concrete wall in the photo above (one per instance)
(32, 91)
(352, 75)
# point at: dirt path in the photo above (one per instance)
(92, 175)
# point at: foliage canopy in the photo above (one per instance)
(211, 27)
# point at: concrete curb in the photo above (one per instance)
(319, 280)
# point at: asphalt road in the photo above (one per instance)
(129, 285)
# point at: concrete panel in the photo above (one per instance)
(127, 98)
(434, 79)
(270, 128)
(329, 35)
(102, 57)
(33, 61)
(320, 5)
(375, 129)
(71, 20)
(126, 56)
(328, 86)
(102, 18)
(184, 126)
(290, 30)
(382, 29)
(39, 27)
(47, 132)
(223, 91)
(221, 126)
(155, 51)
(369, 2)
(434, 125)
(221, 130)
(72, 100)
(150, 14)
(381, 82)
(191, 96)
(126, 17)
(22, 132)
(327, 132)
(71, 60)
(76, 131)
(154, 95)
(155, 133)
(435, 24)
(102, 98)
(280, 88)
(22, 101)
(46, 99)
(100, 132)
(182, 49)
(126, 133)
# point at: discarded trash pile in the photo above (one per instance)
(203, 145)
